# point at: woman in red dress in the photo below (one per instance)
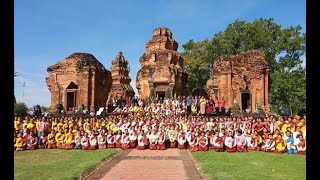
(93, 141)
(110, 139)
(209, 106)
(101, 140)
(172, 137)
(43, 141)
(153, 140)
(85, 142)
(302, 146)
(182, 140)
(142, 141)
(161, 140)
(193, 144)
(31, 141)
(230, 143)
(203, 142)
(125, 140)
(118, 139)
(133, 138)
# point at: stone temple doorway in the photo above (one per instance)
(71, 100)
(245, 101)
(160, 90)
(71, 96)
(161, 95)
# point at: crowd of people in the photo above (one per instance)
(181, 105)
(157, 128)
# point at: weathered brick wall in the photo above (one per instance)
(233, 74)
(86, 72)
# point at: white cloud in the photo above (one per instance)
(31, 98)
(304, 61)
(31, 92)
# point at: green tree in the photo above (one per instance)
(20, 109)
(284, 49)
(168, 93)
(152, 93)
(197, 63)
(289, 88)
(43, 109)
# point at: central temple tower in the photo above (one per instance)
(161, 67)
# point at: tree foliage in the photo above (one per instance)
(284, 49)
(168, 93)
(44, 109)
(289, 88)
(152, 93)
(20, 109)
(197, 63)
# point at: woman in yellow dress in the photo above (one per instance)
(114, 127)
(59, 125)
(54, 124)
(52, 140)
(136, 109)
(18, 124)
(69, 139)
(258, 140)
(280, 145)
(20, 144)
(59, 138)
(193, 109)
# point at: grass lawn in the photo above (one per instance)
(57, 163)
(252, 165)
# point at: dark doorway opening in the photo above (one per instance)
(161, 95)
(245, 100)
(71, 100)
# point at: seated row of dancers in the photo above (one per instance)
(161, 139)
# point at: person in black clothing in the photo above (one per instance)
(216, 106)
(123, 101)
(228, 113)
(189, 102)
(133, 101)
(110, 107)
(136, 101)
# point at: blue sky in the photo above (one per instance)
(47, 31)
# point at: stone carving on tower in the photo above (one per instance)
(120, 78)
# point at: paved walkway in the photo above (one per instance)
(148, 164)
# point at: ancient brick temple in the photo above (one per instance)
(79, 79)
(242, 79)
(120, 78)
(161, 66)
